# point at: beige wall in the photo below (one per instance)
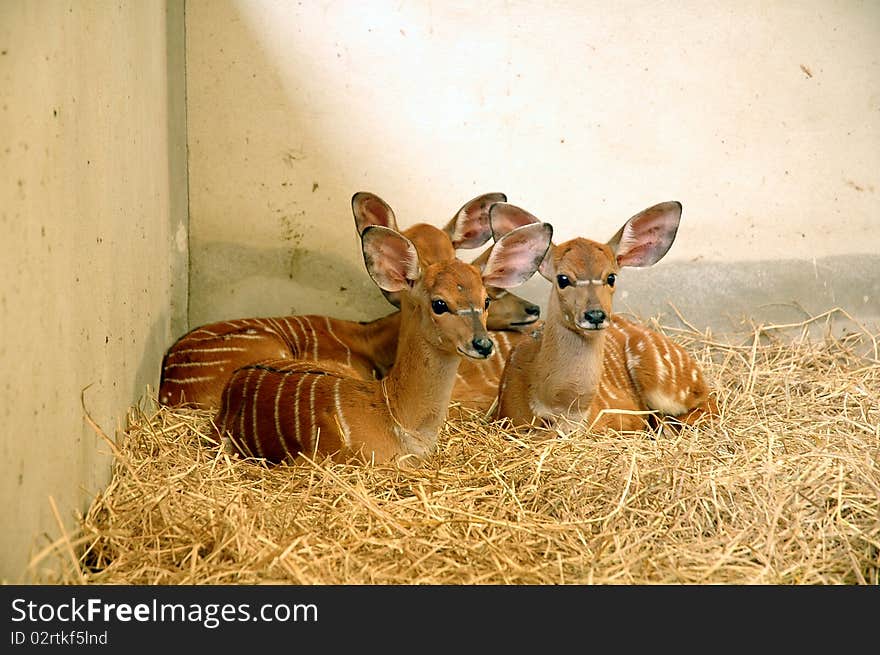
(93, 216)
(762, 118)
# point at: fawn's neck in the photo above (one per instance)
(379, 339)
(568, 367)
(418, 388)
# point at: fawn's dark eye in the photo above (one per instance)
(486, 304)
(563, 281)
(439, 306)
(611, 279)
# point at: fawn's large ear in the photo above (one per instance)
(469, 228)
(504, 217)
(516, 256)
(647, 236)
(370, 209)
(391, 259)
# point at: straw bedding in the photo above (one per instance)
(784, 488)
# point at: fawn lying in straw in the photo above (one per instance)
(278, 409)
(588, 366)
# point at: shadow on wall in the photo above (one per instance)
(255, 281)
(246, 182)
(178, 196)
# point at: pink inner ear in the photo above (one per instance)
(647, 237)
(372, 210)
(388, 278)
(504, 218)
(516, 256)
(470, 227)
(379, 214)
(638, 255)
(470, 231)
(391, 259)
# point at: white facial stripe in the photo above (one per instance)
(586, 283)
(465, 312)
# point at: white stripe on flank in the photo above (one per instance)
(225, 349)
(211, 335)
(241, 409)
(341, 343)
(244, 335)
(632, 364)
(608, 392)
(302, 348)
(612, 354)
(296, 399)
(277, 328)
(275, 409)
(262, 323)
(314, 425)
(314, 341)
(627, 353)
(215, 362)
(225, 406)
(255, 412)
(278, 433)
(201, 378)
(658, 362)
(680, 355)
(666, 352)
(346, 431)
(623, 371)
(292, 337)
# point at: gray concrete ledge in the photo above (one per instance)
(728, 297)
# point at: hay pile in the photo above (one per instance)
(783, 489)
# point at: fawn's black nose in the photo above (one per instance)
(533, 310)
(483, 345)
(595, 316)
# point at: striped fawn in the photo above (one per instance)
(278, 409)
(586, 361)
(469, 228)
(196, 367)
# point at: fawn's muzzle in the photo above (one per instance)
(483, 345)
(594, 318)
